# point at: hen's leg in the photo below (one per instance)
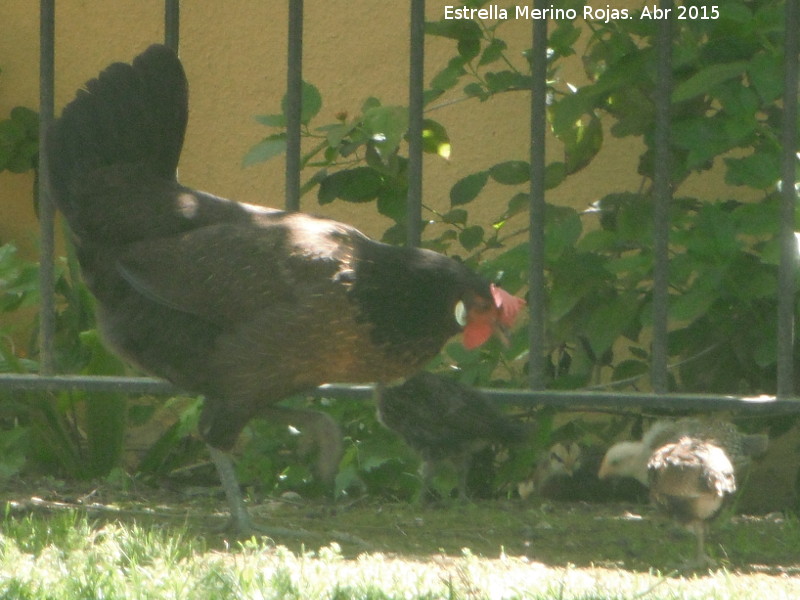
(240, 521)
(240, 518)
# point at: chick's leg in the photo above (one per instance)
(702, 560)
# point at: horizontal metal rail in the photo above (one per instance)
(572, 400)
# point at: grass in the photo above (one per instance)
(414, 554)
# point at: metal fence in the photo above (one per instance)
(784, 402)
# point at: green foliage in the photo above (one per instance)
(277, 458)
(19, 140)
(19, 289)
(79, 434)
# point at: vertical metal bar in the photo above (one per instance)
(47, 311)
(662, 196)
(537, 209)
(294, 103)
(788, 243)
(416, 84)
(172, 19)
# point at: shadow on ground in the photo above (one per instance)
(627, 536)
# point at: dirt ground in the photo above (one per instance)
(627, 536)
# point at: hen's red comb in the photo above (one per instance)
(509, 305)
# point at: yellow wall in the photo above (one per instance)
(234, 55)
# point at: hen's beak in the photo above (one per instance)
(480, 325)
(502, 332)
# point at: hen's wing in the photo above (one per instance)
(228, 272)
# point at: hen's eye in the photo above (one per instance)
(460, 313)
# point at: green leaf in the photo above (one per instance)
(396, 235)
(758, 219)
(569, 109)
(575, 276)
(471, 237)
(518, 203)
(760, 170)
(511, 263)
(370, 103)
(265, 149)
(19, 140)
(492, 52)
(457, 216)
(435, 139)
(705, 79)
(271, 120)
(580, 150)
(476, 90)
(554, 174)
(28, 119)
(467, 189)
(703, 137)
(749, 279)
(562, 39)
(336, 132)
(386, 126)
(456, 29)
(14, 446)
(628, 369)
(469, 48)
(392, 202)
(449, 76)
(512, 172)
(640, 264)
(695, 302)
(429, 96)
(606, 324)
(312, 103)
(599, 241)
(503, 81)
(633, 110)
(766, 74)
(360, 184)
(564, 228)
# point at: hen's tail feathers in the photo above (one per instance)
(129, 116)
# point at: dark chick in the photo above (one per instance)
(242, 304)
(568, 472)
(443, 420)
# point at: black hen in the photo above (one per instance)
(243, 304)
(443, 420)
